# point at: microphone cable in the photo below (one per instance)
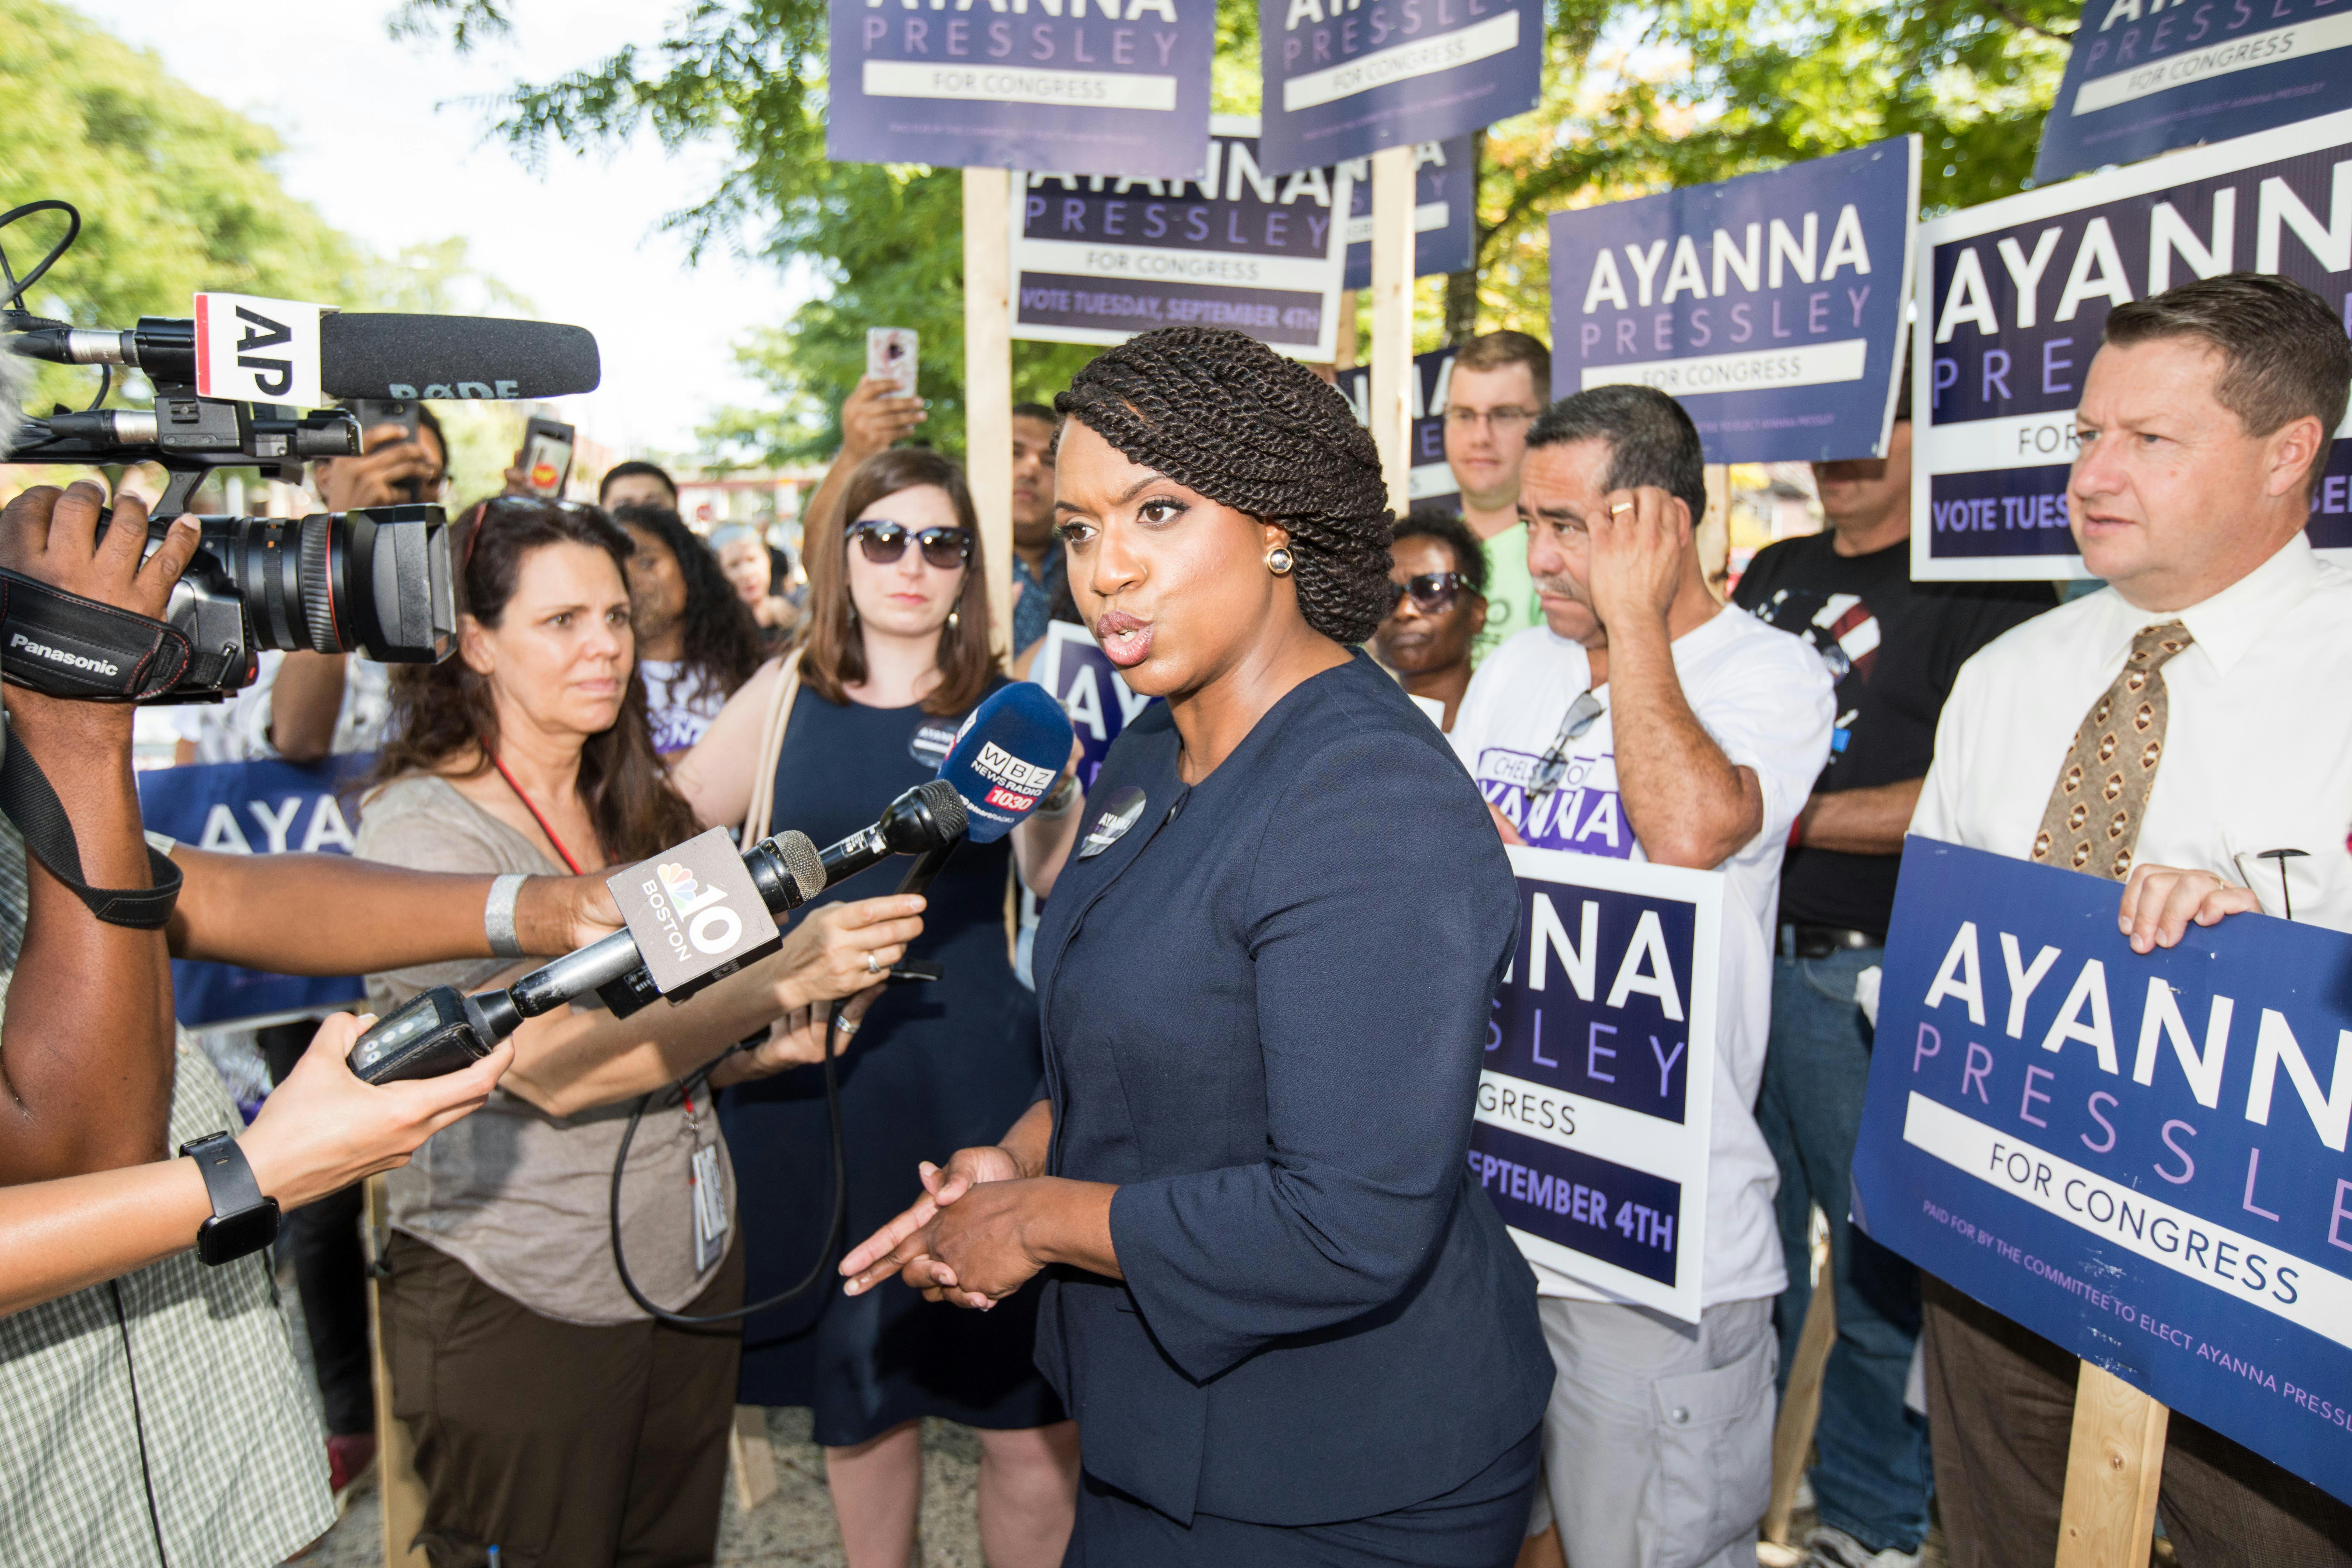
(916, 879)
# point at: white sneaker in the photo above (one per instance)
(1830, 1547)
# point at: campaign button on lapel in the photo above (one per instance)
(1121, 810)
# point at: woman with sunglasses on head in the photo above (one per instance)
(1437, 579)
(1291, 1332)
(898, 654)
(555, 1420)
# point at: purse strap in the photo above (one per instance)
(772, 747)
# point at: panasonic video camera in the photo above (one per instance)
(376, 581)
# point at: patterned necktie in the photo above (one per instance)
(2092, 822)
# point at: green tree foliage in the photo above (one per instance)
(1637, 98)
(176, 191)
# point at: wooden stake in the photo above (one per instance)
(2107, 1518)
(988, 380)
(1800, 1407)
(397, 1483)
(1392, 396)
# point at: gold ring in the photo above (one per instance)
(1620, 506)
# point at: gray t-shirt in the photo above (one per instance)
(519, 1197)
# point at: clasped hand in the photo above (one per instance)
(963, 1241)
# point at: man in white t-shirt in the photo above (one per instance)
(1691, 734)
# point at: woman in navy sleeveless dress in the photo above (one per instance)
(884, 684)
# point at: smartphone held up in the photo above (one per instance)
(547, 456)
(890, 356)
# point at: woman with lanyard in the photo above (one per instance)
(898, 654)
(555, 1419)
(1290, 1328)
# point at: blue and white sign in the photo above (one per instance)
(1444, 213)
(2013, 297)
(1073, 667)
(1097, 260)
(1124, 90)
(1431, 479)
(2141, 1158)
(254, 808)
(2146, 77)
(1344, 79)
(1591, 1130)
(1770, 306)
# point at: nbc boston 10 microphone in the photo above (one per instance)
(696, 914)
(363, 354)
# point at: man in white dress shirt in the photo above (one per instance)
(2167, 730)
(1687, 733)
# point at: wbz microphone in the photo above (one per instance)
(1006, 756)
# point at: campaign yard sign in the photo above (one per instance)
(1073, 667)
(2148, 76)
(1343, 78)
(1444, 213)
(1035, 84)
(1591, 1134)
(1770, 306)
(2013, 297)
(2141, 1158)
(1430, 480)
(254, 808)
(1097, 260)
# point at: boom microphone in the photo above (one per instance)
(1006, 756)
(434, 358)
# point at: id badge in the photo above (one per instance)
(709, 1209)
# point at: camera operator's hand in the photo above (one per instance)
(392, 467)
(875, 416)
(322, 1129)
(52, 535)
(796, 1039)
(85, 1048)
(841, 949)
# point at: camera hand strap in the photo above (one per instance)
(34, 807)
(64, 645)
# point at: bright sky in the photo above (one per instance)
(382, 140)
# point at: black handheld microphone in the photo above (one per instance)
(363, 354)
(440, 1030)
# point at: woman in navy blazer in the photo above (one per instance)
(1289, 1330)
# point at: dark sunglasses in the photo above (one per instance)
(885, 543)
(1432, 592)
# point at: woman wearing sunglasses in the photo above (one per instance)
(1292, 1332)
(898, 654)
(1437, 585)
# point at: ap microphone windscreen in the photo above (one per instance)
(447, 358)
(1006, 756)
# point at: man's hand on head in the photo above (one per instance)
(1636, 561)
(2160, 901)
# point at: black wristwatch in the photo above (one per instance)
(243, 1220)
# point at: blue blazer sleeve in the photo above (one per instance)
(1381, 913)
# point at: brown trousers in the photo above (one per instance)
(2000, 1413)
(562, 1445)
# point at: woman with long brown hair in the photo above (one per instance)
(555, 1419)
(897, 653)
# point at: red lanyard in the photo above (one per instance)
(535, 815)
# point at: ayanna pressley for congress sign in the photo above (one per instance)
(1597, 1101)
(2014, 295)
(1097, 260)
(1770, 306)
(2148, 76)
(1119, 86)
(1345, 78)
(2139, 1158)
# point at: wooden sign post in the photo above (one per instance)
(1392, 372)
(2113, 1467)
(988, 382)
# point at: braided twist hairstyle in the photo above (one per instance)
(1223, 415)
